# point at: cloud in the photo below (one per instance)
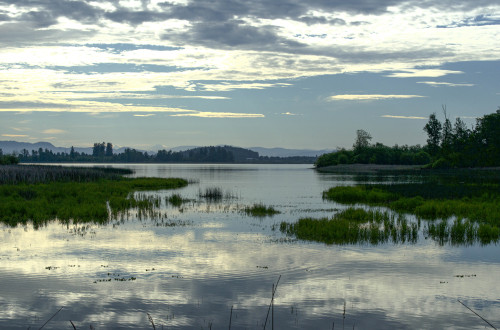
(14, 135)
(146, 115)
(220, 115)
(479, 20)
(54, 131)
(434, 73)
(230, 86)
(368, 97)
(289, 114)
(437, 84)
(403, 117)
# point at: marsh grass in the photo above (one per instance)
(215, 194)
(354, 226)
(260, 210)
(33, 174)
(175, 200)
(94, 201)
(477, 202)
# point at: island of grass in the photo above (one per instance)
(459, 206)
(475, 205)
(39, 194)
(260, 210)
(354, 226)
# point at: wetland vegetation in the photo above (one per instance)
(460, 207)
(41, 194)
(260, 210)
(355, 226)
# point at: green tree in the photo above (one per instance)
(487, 137)
(109, 150)
(433, 129)
(362, 140)
(99, 149)
(447, 133)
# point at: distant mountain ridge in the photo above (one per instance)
(8, 147)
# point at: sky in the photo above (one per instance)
(281, 73)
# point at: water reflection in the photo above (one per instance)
(190, 276)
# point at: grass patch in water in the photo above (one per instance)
(354, 226)
(175, 200)
(78, 201)
(476, 202)
(260, 210)
(215, 194)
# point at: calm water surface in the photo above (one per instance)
(192, 266)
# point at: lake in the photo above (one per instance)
(208, 265)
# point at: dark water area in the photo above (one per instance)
(191, 267)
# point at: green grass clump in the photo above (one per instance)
(260, 210)
(215, 194)
(352, 195)
(78, 201)
(175, 200)
(478, 202)
(212, 193)
(354, 226)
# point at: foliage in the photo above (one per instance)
(260, 210)
(31, 174)
(448, 146)
(8, 160)
(376, 154)
(478, 202)
(77, 201)
(354, 226)
(103, 153)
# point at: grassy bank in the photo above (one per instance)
(80, 195)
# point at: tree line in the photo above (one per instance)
(448, 145)
(103, 153)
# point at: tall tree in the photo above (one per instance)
(487, 133)
(109, 150)
(362, 140)
(447, 133)
(433, 129)
(99, 149)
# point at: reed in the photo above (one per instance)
(175, 200)
(354, 226)
(78, 201)
(477, 202)
(260, 210)
(32, 174)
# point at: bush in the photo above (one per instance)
(441, 163)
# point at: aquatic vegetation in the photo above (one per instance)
(93, 201)
(31, 174)
(354, 226)
(478, 202)
(175, 200)
(215, 194)
(212, 193)
(260, 210)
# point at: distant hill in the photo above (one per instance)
(9, 147)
